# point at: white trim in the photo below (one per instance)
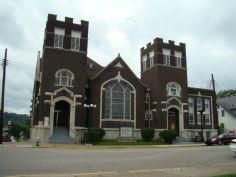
(212, 113)
(207, 96)
(59, 31)
(197, 130)
(72, 113)
(181, 117)
(64, 69)
(48, 93)
(80, 128)
(47, 101)
(172, 98)
(119, 65)
(157, 64)
(118, 78)
(176, 85)
(116, 120)
(163, 110)
(75, 34)
(64, 88)
(173, 106)
(202, 96)
(69, 50)
(78, 96)
(163, 102)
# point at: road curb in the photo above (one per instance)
(63, 146)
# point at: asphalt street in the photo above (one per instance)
(177, 161)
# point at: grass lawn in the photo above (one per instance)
(228, 175)
(139, 142)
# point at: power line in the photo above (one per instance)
(18, 64)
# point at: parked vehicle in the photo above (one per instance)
(224, 138)
(233, 146)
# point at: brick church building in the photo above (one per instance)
(72, 92)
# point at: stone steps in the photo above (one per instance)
(61, 136)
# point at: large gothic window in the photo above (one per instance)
(173, 89)
(118, 101)
(64, 78)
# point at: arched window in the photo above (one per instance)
(118, 101)
(173, 89)
(64, 77)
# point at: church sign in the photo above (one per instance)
(126, 132)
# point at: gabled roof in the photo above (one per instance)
(119, 63)
(228, 103)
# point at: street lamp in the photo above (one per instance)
(201, 115)
(87, 106)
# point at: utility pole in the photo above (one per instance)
(3, 94)
(213, 82)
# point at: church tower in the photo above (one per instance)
(164, 70)
(62, 79)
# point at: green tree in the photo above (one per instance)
(226, 93)
(18, 130)
(15, 131)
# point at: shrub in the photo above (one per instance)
(168, 135)
(95, 134)
(147, 134)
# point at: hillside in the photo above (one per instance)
(16, 118)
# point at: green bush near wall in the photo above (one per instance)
(147, 134)
(94, 135)
(168, 135)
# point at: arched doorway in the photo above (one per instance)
(173, 120)
(61, 115)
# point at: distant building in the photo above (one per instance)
(72, 92)
(227, 112)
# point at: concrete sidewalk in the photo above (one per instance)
(89, 146)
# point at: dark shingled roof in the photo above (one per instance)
(228, 103)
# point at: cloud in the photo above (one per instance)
(207, 27)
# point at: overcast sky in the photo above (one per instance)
(207, 27)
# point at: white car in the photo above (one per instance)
(233, 145)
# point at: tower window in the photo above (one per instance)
(64, 77)
(167, 60)
(173, 89)
(178, 62)
(75, 40)
(166, 56)
(178, 56)
(151, 58)
(58, 37)
(144, 61)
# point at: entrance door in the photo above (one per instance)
(62, 114)
(173, 120)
